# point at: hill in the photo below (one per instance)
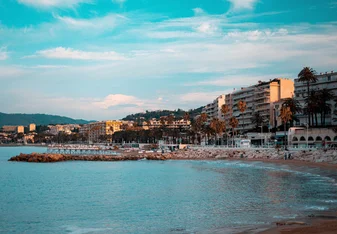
(38, 119)
(159, 113)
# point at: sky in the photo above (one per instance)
(104, 59)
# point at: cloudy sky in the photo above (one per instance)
(103, 59)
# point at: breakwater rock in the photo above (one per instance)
(328, 156)
(49, 158)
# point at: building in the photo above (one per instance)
(301, 137)
(31, 127)
(327, 81)
(13, 129)
(213, 110)
(176, 124)
(66, 128)
(9, 129)
(259, 98)
(103, 128)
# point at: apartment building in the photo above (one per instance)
(65, 128)
(176, 124)
(13, 129)
(102, 128)
(327, 80)
(259, 98)
(213, 110)
(31, 127)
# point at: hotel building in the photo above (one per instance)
(102, 128)
(259, 98)
(213, 110)
(327, 81)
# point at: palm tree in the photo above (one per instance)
(225, 110)
(307, 75)
(242, 105)
(324, 96)
(294, 105)
(258, 120)
(233, 122)
(312, 106)
(286, 116)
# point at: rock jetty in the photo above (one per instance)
(327, 156)
(49, 158)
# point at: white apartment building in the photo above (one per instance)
(326, 80)
(259, 98)
(213, 110)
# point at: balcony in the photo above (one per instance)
(257, 90)
(267, 97)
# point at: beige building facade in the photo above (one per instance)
(102, 128)
(213, 110)
(259, 98)
(13, 129)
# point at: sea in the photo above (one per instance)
(156, 196)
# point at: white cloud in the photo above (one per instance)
(256, 34)
(105, 23)
(69, 53)
(116, 100)
(11, 71)
(3, 53)
(243, 4)
(52, 3)
(201, 98)
(207, 28)
(238, 81)
(198, 11)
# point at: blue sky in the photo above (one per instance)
(103, 59)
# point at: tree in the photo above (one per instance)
(233, 122)
(286, 116)
(242, 105)
(225, 109)
(307, 75)
(324, 96)
(258, 120)
(294, 105)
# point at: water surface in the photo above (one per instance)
(154, 196)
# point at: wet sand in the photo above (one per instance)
(322, 226)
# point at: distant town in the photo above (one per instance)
(299, 112)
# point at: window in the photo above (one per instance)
(329, 78)
(302, 138)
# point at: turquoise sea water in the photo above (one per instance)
(155, 197)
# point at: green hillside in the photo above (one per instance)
(159, 113)
(38, 119)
